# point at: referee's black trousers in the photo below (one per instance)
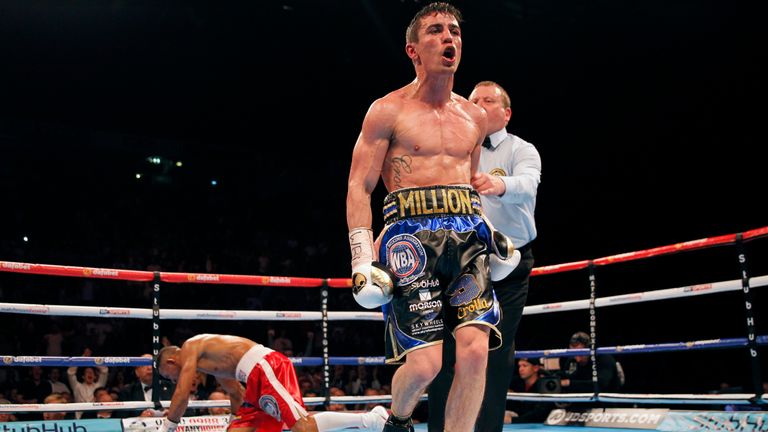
(511, 292)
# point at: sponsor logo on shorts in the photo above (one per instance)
(434, 201)
(241, 376)
(269, 405)
(463, 291)
(475, 306)
(406, 258)
(429, 283)
(425, 305)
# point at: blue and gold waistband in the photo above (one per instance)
(431, 200)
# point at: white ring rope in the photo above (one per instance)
(649, 398)
(104, 406)
(663, 294)
(186, 314)
(199, 314)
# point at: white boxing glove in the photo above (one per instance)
(501, 268)
(372, 283)
(168, 426)
(504, 258)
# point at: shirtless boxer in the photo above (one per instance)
(271, 395)
(423, 140)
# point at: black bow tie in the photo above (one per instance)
(487, 142)
(147, 388)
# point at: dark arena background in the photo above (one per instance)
(216, 137)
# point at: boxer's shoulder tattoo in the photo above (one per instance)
(401, 165)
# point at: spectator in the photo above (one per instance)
(53, 340)
(54, 398)
(529, 382)
(219, 395)
(312, 394)
(54, 377)
(6, 417)
(142, 390)
(84, 385)
(101, 394)
(577, 370)
(335, 391)
(280, 343)
(337, 378)
(305, 385)
(117, 382)
(34, 388)
(354, 386)
(370, 405)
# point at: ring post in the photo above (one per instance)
(326, 364)
(155, 338)
(593, 326)
(749, 312)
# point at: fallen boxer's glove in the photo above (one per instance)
(372, 283)
(168, 426)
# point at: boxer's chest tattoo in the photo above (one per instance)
(401, 165)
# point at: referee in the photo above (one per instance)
(507, 179)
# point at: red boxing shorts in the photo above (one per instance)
(272, 395)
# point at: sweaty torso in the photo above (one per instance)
(429, 145)
(218, 355)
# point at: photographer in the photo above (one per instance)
(577, 370)
(530, 381)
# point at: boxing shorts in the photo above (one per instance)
(272, 395)
(436, 243)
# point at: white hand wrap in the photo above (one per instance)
(361, 245)
(372, 283)
(168, 426)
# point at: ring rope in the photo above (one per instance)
(639, 297)
(9, 360)
(286, 281)
(186, 314)
(649, 398)
(89, 272)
